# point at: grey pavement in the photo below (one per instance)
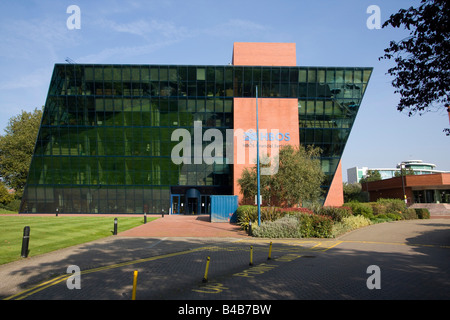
(412, 259)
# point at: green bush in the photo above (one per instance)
(394, 216)
(378, 208)
(422, 213)
(14, 205)
(322, 227)
(350, 223)
(296, 224)
(245, 214)
(409, 214)
(393, 205)
(363, 209)
(335, 213)
(285, 227)
(314, 226)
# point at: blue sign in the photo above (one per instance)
(251, 136)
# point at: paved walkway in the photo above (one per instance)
(185, 226)
(412, 256)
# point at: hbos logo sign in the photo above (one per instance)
(264, 136)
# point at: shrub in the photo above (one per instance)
(409, 214)
(394, 216)
(378, 208)
(350, 223)
(322, 227)
(245, 214)
(300, 210)
(314, 226)
(393, 205)
(285, 227)
(363, 209)
(422, 213)
(335, 213)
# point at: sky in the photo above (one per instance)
(34, 35)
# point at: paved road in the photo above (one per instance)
(409, 259)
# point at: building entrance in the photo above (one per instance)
(177, 204)
(191, 201)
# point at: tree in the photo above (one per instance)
(5, 196)
(372, 175)
(298, 179)
(422, 71)
(404, 172)
(16, 148)
(353, 192)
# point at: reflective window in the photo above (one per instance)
(104, 144)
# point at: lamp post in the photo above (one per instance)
(258, 200)
(402, 165)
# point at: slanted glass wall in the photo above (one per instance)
(104, 144)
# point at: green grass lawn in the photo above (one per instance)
(52, 233)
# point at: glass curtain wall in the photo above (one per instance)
(104, 144)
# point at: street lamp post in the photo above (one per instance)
(258, 201)
(402, 165)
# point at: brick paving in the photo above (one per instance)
(185, 226)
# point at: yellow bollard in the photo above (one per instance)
(270, 251)
(133, 296)
(251, 256)
(205, 278)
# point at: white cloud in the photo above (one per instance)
(146, 28)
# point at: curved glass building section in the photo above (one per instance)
(104, 144)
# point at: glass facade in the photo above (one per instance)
(104, 145)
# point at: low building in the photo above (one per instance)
(419, 167)
(430, 191)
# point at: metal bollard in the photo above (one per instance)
(249, 228)
(25, 241)
(162, 213)
(205, 277)
(145, 217)
(251, 256)
(133, 295)
(270, 251)
(115, 226)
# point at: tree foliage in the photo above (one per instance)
(5, 196)
(298, 179)
(422, 70)
(372, 175)
(353, 192)
(404, 172)
(16, 148)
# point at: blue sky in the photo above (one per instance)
(34, 36)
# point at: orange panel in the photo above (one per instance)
(335, 197)
(278, 121)
(264, 54)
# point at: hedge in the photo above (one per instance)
(335, 213)
(247, 213)
(285, 227)
(350, 223)
(296, 224)
(422, 213)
